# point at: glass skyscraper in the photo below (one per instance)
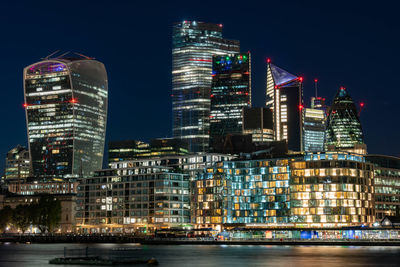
(285, 99)
(230, 93)
(343, 131)
(313, 129)
(66, 112)
(193, 46)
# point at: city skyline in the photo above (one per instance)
(157, 122)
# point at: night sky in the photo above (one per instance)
(355, 45)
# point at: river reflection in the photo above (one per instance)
(217, 255)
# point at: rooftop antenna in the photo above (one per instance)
(361, 108)
(83, 56)
(47, 57)
(316, 87)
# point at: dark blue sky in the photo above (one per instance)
(355, 45)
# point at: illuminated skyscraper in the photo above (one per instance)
(285, 99)
(343, 131)
(193, 46)
(313, 129)
(230, 93)
(66, 112)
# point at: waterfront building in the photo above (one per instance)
(242, 192)
(133, 199)
(332, 189)
(285, 99)
(193, 46)
(66, 112)
(132, 149)
(387, 185)
(311, 190)
(53, 187)
(313, 129)
(17, 164)
(68, 207)
(343, 130)
(230, 93)
(259, 123)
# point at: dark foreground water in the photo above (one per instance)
(217, 255)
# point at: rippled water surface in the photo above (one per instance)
(216, 255)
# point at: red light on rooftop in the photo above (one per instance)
(362, 104)
(342, 88)
(268, 60)
(301, 107)
(25, 105)
(220, 25)
(300, 79)
(316, 80)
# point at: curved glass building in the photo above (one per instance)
(343, 131)
(66, 114)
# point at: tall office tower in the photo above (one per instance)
(313, 129)
(285, 99)
(17, 164)
(259, 123)
(193, 46)
(230, 93)
(343, 130)
(66, 112)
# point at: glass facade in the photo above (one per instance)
(332, 189)
(387, 185)
(66, 112)
(343, 130)
(230, 93)
(255, 191)
(285, 99)
(313, 129)
(193, 46)
(314, 190)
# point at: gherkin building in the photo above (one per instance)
(343, 129)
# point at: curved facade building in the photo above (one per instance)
(343, 131)
(66, 114)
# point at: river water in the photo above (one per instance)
(215, 255)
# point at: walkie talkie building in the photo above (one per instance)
(66, 113)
